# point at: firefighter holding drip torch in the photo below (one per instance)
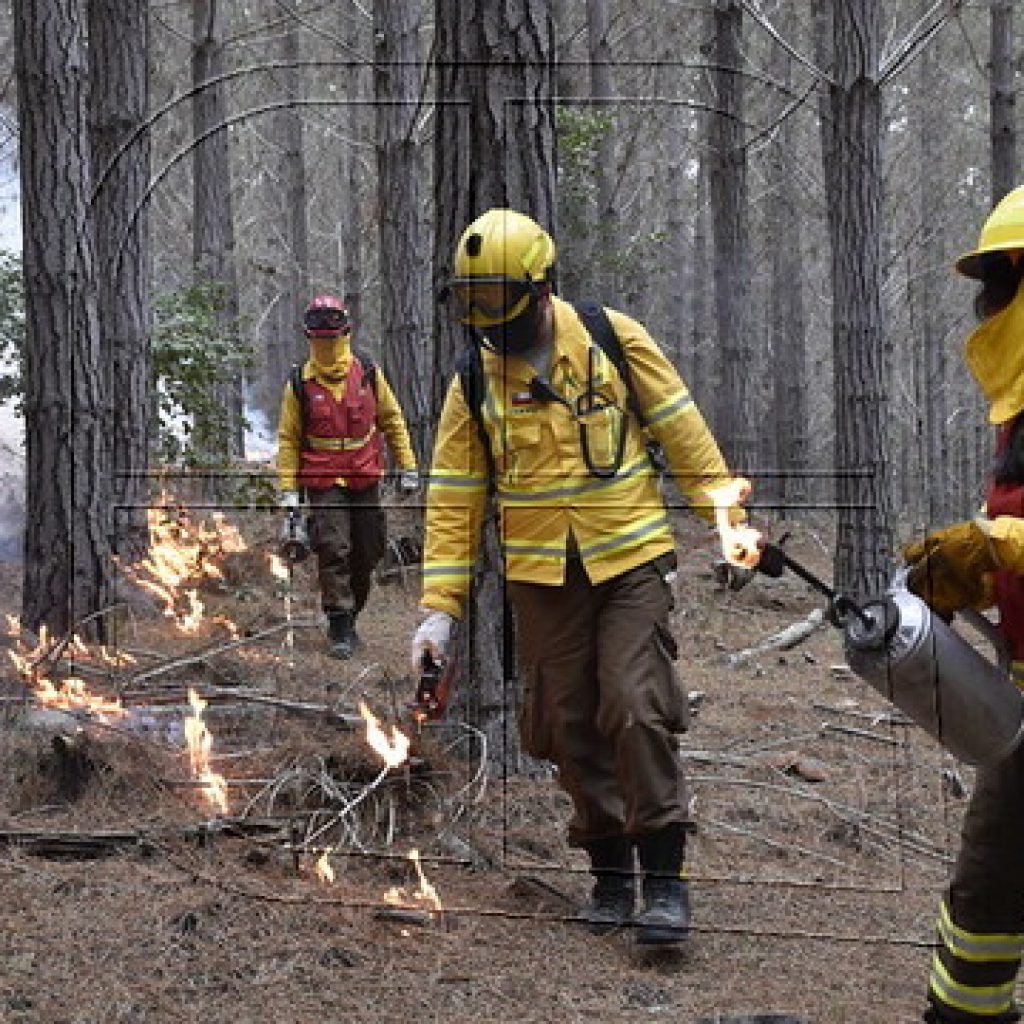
(336, 411)
(979, 564)
(553, 406)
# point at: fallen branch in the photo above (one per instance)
(792, 635)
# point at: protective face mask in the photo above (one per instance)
(517, 335)
(995, 355)
(329, 355)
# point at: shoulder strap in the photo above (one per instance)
(369, 369)
(599, 327)
(470, 368)
(299, 390)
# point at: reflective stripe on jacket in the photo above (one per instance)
(544, 488)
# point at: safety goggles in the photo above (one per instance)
(334, 321)
(495, 298)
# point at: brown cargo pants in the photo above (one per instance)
(978, 953)
(601, 698)
(349, 535)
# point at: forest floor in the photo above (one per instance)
(824, 836)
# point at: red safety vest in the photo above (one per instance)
(1007, 499)
(340, 438)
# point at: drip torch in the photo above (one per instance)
(919, 663)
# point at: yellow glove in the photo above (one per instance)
(949, 570)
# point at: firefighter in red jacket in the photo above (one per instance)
(330, 446)
(978, 564)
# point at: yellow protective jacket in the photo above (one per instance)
(543, 487)
(328, 365)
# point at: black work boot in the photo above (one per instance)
(611, 900)
(666, 915)
(342, 634)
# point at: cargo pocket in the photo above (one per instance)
(677, 705)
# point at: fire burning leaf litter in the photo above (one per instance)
(181, 550)
(33, 668)
(200, 743)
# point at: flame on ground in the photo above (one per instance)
(182, 550)
(31, 664)
(323, 868)
(393, 751)
(200, 743)
(740, 544)
(425, 893)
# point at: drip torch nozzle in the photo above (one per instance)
(774, 561)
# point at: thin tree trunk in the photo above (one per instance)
(293, 187)
(403, 243)
(787, 318)
(606, 234)
(1003, 101)
(351, 261)
(734, 409)
(119, 98)
(929, 349)
(853, 182)
(66, 401)
(213, 228)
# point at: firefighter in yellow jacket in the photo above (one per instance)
(588, 554)
(978, 564)
(330, 447)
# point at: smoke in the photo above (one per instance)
(260, 437)
(12, 484)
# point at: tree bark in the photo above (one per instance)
(66, 402)
(787, 318)
(293, 187)
(213, 227)
(851, 153)
(606, 234)
(727, 176)
(403, 243)
(120, 149)
(1003, 100)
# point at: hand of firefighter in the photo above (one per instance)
(949, 570)
(433, 635)
(289, 499)
(408, 481)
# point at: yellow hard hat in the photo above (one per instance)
(499, 260)
(1002, 232)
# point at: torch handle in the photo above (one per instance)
(839, 604)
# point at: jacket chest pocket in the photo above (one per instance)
(361, 411)
(517, 447)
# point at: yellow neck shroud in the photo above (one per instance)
(995, 355)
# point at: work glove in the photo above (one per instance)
(408, 481)
(289, 499)
(433, 635)
(950, 569)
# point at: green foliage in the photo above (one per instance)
(580, 131)
(12, 326)
(193, 356)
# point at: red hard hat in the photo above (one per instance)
(326, 317)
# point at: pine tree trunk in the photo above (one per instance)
(66, 402)
(1003, 101)
(213, 227)
(403, 243)
(494, 147)
(851, 155)
(727, 175)
(119, 98)
(787, 318)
